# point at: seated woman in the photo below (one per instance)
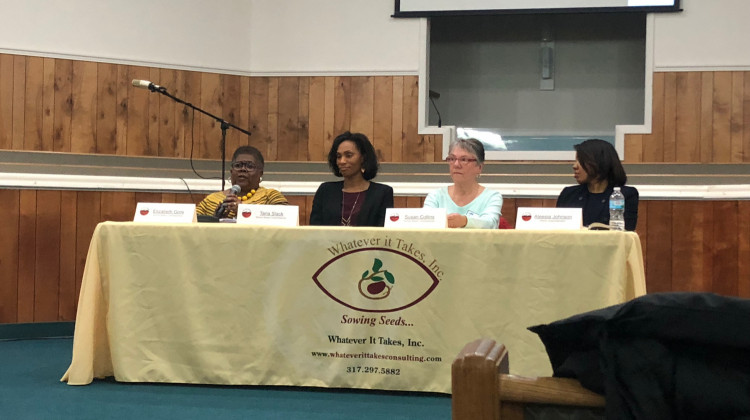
(247, 172)
(355, 201)
(598, 170)
(468, 204)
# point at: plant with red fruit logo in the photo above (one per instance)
(377, 285)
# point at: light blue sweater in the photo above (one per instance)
(482, 213)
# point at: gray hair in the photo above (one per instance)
(471, 145)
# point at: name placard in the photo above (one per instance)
(267, 215)
(548, 218)
(165, 212)
(424, 218)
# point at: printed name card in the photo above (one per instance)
(425, 218)
(267, 215)
(165, 212)
(548, 218)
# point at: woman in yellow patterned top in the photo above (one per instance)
(247, 172)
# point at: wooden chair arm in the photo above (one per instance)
(546, 390)
(475, 380)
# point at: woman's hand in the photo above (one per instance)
(231, 202)
(456, 220)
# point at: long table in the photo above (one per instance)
(331, 307)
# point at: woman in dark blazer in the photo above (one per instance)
(598, 170)
(355, 201)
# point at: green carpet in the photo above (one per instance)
(30, 388)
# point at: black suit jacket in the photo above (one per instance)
(596, 206)
(326, 209)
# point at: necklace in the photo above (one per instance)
(346, 221)
(247, 196)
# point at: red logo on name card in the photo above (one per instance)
(144, 212)
(246, 213)
(526, 217)
(394, 217)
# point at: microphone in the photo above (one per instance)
(223, 207)
(433, 95)
(145, 84)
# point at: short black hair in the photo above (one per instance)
(249, 150)
(369, 158)
(600, 161)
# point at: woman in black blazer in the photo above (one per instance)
(598, 170)
(355, 201)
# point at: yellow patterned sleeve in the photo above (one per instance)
(208, 206)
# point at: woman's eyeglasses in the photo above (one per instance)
(463, 160)
(250, 166)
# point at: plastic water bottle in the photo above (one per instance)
(616, 210)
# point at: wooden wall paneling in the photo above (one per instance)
(724, 277)
(670, 111)
(707, 116)
(83, 123)
(151, 148)
(736, 117)
(208, 142)
(288, 119)
(414, 202)
(6, 101)
(48, 105)
(397, 120)
(68, 236)
(106, 108)
(26, 255)
(659, 272)
(746, 119)
(88, 215)
(63, 106)
(400, 202)
(342, 105)
(259, 114)
(303, 120)
(641, 228)
(743, 249)
(687, 116)
(299, 201)
(329, 116)
(316, 119)
(271, 148)
(9, 256)
(382, 116)
(137, 119)
(363, 105)
(122, 87)
(230, 111)
(243, 120)
(722, 104)
(19, 100)
(167, 143)
(687, 245)
(413, 147)
(32, 139)
(633, 148)
(146, 197)
(509, 211)
(117, 206)
(190, 120)
(47, 259)
(653, 144)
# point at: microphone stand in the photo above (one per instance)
(222, 123)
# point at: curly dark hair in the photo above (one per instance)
(369, 158)
(249, 150)
(600, 161)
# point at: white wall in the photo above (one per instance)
(334, 36)
(706, 35)
(235, 36)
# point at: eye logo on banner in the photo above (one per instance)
(374, 290)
